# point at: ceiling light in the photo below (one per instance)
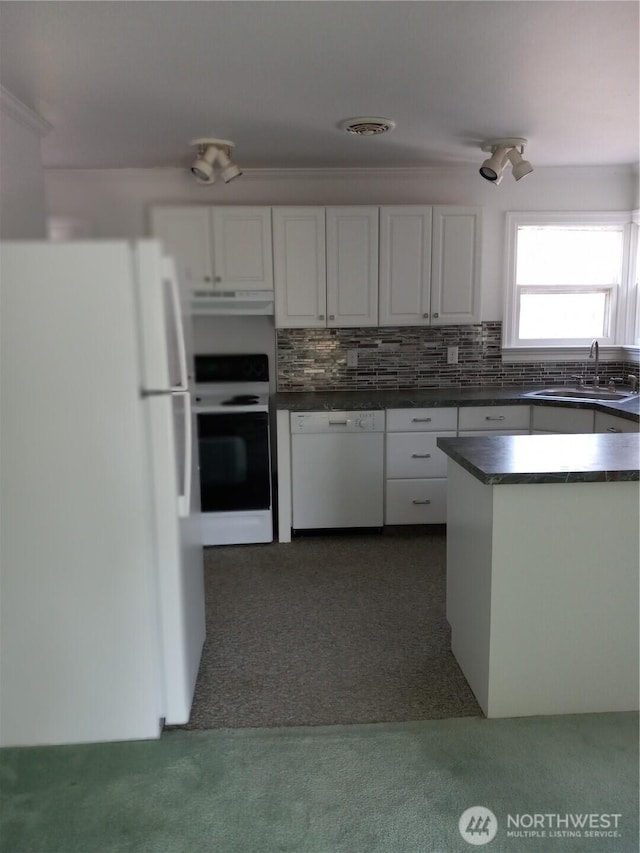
(504, 151)
(493, 166)
(519, 167)
(203, 166)
(230, 170)
(211, 150)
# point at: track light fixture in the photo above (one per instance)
(504, 151)
(211, 150)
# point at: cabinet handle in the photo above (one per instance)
(436, 315)
(613, 429)
(421, 420)
(331, 317)
(218, 278)
(421, 502)
(207, 278)
(494, 418)
(320, 316)
(426, 316)
(421, 456)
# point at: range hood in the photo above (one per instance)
(235, 302)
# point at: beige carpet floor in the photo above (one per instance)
(334, 629)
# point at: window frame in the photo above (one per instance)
(621, 295)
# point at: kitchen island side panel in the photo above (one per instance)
(564, 598)
(469, 554)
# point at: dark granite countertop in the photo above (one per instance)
(310, 401)
(509, 459)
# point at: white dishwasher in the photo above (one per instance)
(337, 469)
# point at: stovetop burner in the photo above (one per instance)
(241, 400)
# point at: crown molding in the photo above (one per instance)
(359, 173)
(322, 174)
(20, 112)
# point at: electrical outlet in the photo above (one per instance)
(352, 358)
(452, 355)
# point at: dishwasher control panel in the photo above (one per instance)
(327, 422)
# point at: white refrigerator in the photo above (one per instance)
(102, 616)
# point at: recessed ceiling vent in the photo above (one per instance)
(367, 126)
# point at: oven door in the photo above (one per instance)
(234, 461)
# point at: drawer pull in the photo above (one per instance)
(421, 420)
(421, 456)
(494, 418)
(421, 502)
(613, 429)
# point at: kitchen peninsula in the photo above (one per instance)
(542, 570)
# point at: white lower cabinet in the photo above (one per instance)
(611, 423)
(508, 420)
(554, 419)
(416, 484)
(416, 501)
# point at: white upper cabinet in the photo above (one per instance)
(405, 265)
(217, 248)
(326, 266)
(429, 265)
(352, 266)
(186, 236)
(455, 265)
(299, 265)
(242, 255)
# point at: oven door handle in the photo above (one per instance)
(184, 496)
(171, 278)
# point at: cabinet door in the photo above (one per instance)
(186, 235)
(352, 266)
(455, 265)
(561, 419)
(405, 265)
(242, 255)
(299, 266)
(611, 423)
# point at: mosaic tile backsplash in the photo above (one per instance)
(415, 357)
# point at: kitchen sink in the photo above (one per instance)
(604, 394)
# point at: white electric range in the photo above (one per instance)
(231, 404)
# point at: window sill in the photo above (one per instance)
(631, 354)
(512, 355)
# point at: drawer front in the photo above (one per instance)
(421, 420)
(494, 417)
(416, 502)
(416, 455)
(561, 419)
(610, 423)
(485, 433)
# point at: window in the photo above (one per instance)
(633, 335)
(568, 279)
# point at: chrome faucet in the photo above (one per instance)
(594, 352)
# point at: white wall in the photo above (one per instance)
(237, 335)
(22, 193)
(115, 203)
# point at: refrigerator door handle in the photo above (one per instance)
(184, 497)
(172, 280)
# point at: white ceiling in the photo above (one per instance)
(129, 84)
